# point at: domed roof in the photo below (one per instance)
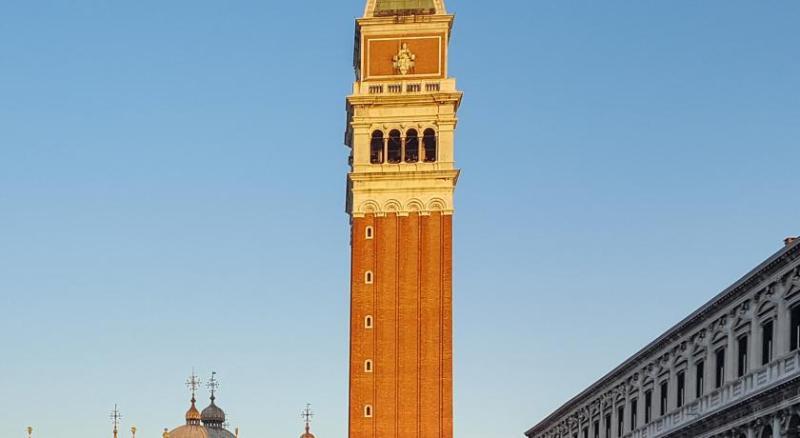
(193, 415)
(213, 415)
(189, 431)
(219, 433)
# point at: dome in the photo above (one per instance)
(307, 435)
(192, 415)
(189, 431)
(220, 433)
(213, 415)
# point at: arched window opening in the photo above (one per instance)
(368, 412)
(412, 146)
(429, 140)
(395, 147)
(369, 233)
(376, 148)
(368, 366)
(368, 322)
(368, 277)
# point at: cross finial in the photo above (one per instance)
(133, 431)
(193, 382)
(115, 417)
(30, 431)
(307, 415)
(213, 384)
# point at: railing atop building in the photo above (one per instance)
(772, 374)
(405, 87)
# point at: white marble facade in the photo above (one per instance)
(730, 369)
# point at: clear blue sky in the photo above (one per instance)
(623, 161)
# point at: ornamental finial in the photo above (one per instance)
(213, 385)
(115, 417)
(193, 382)
(307, 415)
(30, 431)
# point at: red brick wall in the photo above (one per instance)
(411, 388)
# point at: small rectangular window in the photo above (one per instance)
(648, 406)
(664, 397)
(741, 357)
(634, 413)
(620, 420)
(720, 368)
(766, 342)
(699, 379)
(681, 388)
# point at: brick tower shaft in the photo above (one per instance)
(401, 125)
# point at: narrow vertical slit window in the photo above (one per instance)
(681, 388)
(585, 432)
(394, 148)
(648, 406)
(620, 420)
(719, 377)
(766, 342)
(368, 322)
(368, 277)
(795, 323)
(429, 140)
(608, 425)
(412, 146)
(368, 411)
(741, 356)
(634, 413)
(368, 366)
(596, 428)
(664, 398)
(369, 233)
(376, 148)
(699, 379)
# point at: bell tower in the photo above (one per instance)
(401, 120)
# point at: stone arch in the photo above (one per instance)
(415, 205)
(392, 206)
(370, 207)
(437, 204)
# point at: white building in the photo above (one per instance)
(730, 369)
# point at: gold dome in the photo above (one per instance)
(192, 415)
(189, 431)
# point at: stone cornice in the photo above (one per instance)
(746, 284)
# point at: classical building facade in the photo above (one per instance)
(401, 118)
(730, 369)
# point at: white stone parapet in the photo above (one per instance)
(760, 380)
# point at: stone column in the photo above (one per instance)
(776, 426)
(730, 355)
(754, 358)
(782, 330)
